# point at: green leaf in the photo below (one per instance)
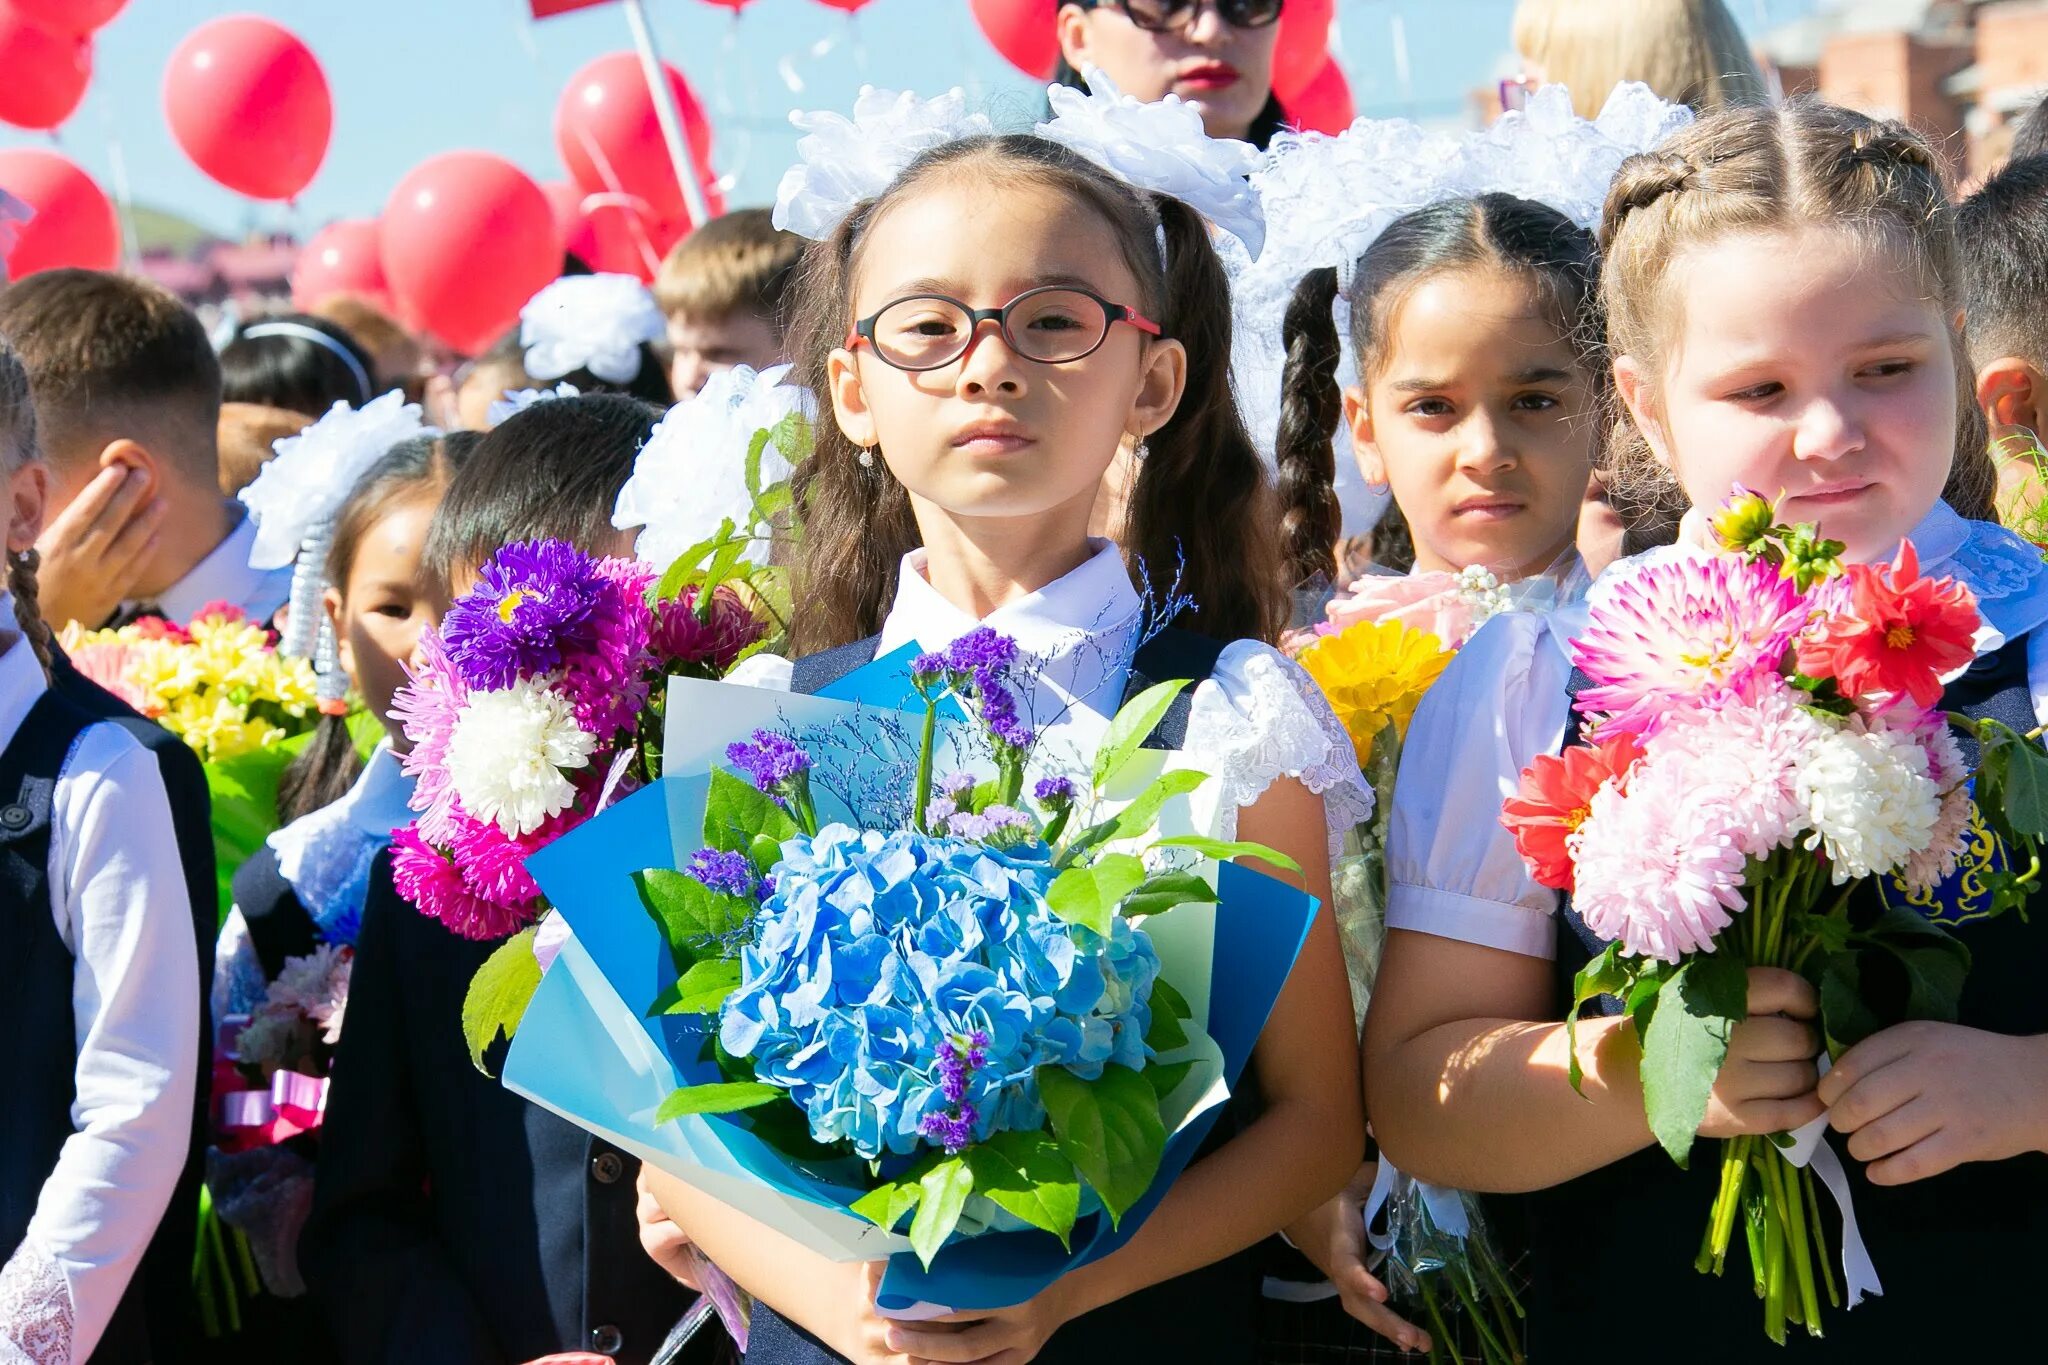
(1138, 818)
(1109, 1128)
(755, 447)
(722, 1097)
(1134, 723)
(793, 437)
(885, 1205)
(499, 994)
(945, 1190)
(2022, 788)
(1159, 894)
(1166, 1079)
(1686, 1043)
(1089, 894)
(695, 921)
(703, 988)
(736, 813)
(685, 568)
(1165, 996)
(1606, 974)
(1026, 1174)
(1229, 850)
(1846, 1019)
(764, 853)
(1169, 1009)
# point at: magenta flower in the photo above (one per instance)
(1687, 632)
(680, 637)
(437, 888)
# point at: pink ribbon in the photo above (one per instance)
(295, 1103)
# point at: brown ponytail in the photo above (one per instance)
(1311, 407)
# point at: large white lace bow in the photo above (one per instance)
(13, 214)
(589, 322)
(842, 162)
(311, 474)
(692, 474)
(1161, 146)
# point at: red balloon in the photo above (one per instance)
(343, 258)
(249, 104)
(610, 137)
(734, 5)
(75, 17)
(1324, 105)
(1303, 47)
(848, 5)
(610, 232)
(1023, 31)
(74, 222)
(46, 71)
(467, 240)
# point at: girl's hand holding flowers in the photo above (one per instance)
(1766, 1083)
(995, 1336)
(1922, 1097)
(1333, 1238)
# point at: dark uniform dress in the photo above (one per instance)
(1210, 1314)
(1961, 1254)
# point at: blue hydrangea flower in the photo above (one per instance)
(877, 954)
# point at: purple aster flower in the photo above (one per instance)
(769, 760)
(729, 873)
(1054, 791)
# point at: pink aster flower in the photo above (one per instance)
(436, 887)
(1686, 632)
(112, 665)
(494, 863)
(1658, 868)
(427, 708)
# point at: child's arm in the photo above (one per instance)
(118, 890)
(1466, 1070)
(1920, 1098)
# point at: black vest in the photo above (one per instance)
(39, 1063)
(1960, 1254)
(1209, 1314)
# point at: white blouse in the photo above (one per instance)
(1453, 869)
(118, 897)
(1256, 718)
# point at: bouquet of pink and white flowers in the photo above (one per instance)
(1764, 738)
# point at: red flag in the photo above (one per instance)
(544, 8)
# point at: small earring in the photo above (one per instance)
(866, 457)
(1140, 451)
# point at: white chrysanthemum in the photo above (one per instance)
(1869, 799)
(589, 322)
(843, 161)
(692, 474)
(507, 753)
(312, 472)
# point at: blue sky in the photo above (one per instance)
(416, 77)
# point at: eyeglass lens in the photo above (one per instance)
(1050, 326)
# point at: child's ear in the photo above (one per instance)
(2012, 393)
(1632, 382)
(134, 455)
(28, 491)
(849, 400)
(343, 651)
(1358, 420)
(1160, 386)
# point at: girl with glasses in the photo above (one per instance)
(1216, 54)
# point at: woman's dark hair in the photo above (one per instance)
(1199, 501)
(550, 471)
(1268, 122)
(1495, 230)
(422, 467)
(296, 361)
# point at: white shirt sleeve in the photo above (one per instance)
(117, 893)
(1452, 869)
(770, 671)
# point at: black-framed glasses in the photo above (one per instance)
(1054, 325)
(1159, 16)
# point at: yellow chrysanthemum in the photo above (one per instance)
(1374, 673)
(217, 728)
(290, 683)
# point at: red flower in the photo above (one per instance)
(1554, 799)
(1899, 633)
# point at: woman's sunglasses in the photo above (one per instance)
(1160, 16)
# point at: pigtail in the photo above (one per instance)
(1201, 502)
(1311, 407)
(28, 611)
(321, 773)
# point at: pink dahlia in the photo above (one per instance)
(1658, 868)
(428, 707)
(1746, 755)
(436, 887)
(1926, 868)
(1687, 632)
(711, 642)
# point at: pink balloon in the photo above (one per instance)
(249, 104)
(78, 18)
(610, 138)
(1324, 105)
(1303, 47)
(467, 240)
(1022, 31)
(46, 72)
(74, 222)
(343, 258)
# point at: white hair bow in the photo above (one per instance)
(589, 322)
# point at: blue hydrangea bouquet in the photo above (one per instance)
(839, 970)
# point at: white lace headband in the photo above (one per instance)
(299, 331)
(1158, 147)
(589, 322)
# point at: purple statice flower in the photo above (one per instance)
(981, 649)
(729, 873)
(957, 1065)
(927, 666)
(999, 712)
(957, 785)
(990, 824)
(1054, 791)
(769, 759)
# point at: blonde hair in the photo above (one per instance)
(737, 263)
(1688, 51)
(1750, 169)
(248, 431)
(17, 448)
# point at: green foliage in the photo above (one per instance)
(1089, 894)
(1109, 1128)
(1169, 1011)
(696, 922)
(1686, 1042)
(945, 1188)
(1607, 974)
(736, 814)
(1135, 720)
(702, 989)
(720, 1097)
(1229, 850)
(1026, 1174)
(1160, 893)
(499, 994)
(1923, 965)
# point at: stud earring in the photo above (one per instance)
(1140, 451)
(866, 457)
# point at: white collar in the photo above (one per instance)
(22, 681)
(225, 576)
(1088, 600)
(325, 855)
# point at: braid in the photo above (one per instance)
(1643, 180)
(1311, 408)
(28, 611)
